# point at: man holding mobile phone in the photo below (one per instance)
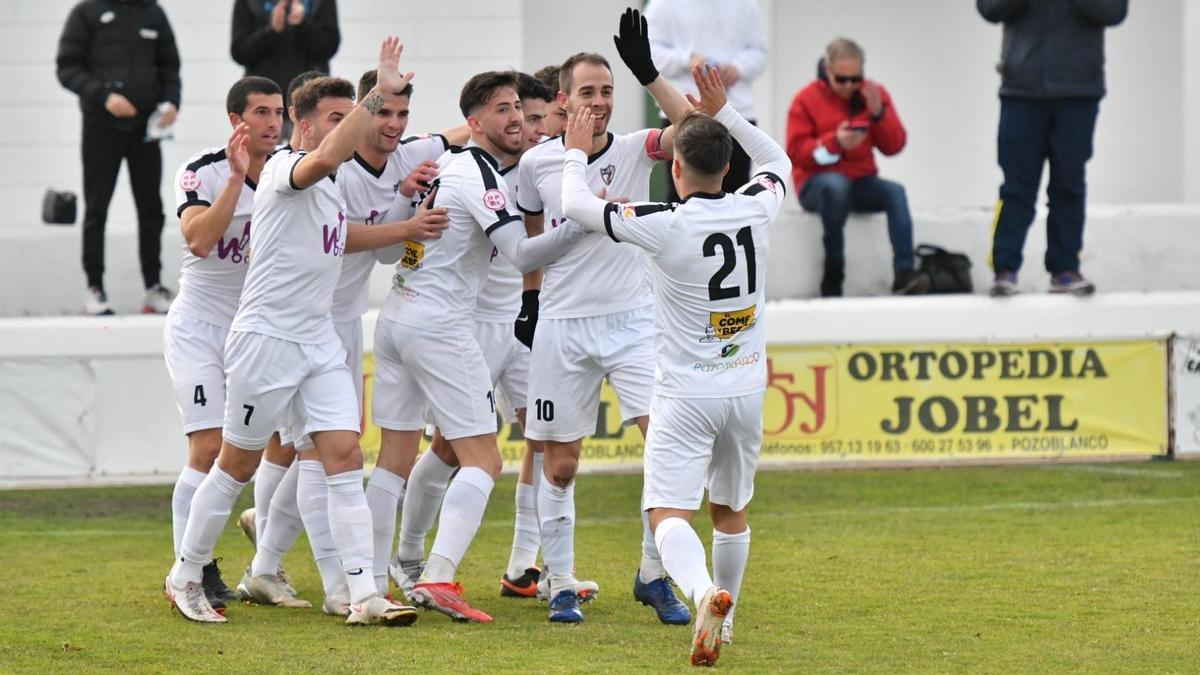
(834, 125)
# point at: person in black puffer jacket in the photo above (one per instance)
(119, 56)
(279, 39)
(1052, 70)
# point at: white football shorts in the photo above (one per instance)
(571, 358)
(698, 443)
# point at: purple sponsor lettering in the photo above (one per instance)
(235, 249)
(333, 237)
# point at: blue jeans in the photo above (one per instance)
(1031, 133)
(834, 196)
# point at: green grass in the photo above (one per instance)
(999, 570)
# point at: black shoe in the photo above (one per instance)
(524, 586)
(214, 586)
(910, 282)
(831, 283)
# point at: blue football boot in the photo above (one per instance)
(659, 595)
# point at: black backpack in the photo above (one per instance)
(948, 272)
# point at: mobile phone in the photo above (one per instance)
(858, 126)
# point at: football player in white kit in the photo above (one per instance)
(426, 352)
(214, 195)
(369, 181)
(595, 321)
(708, 257)
(282, 349)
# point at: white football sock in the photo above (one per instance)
(181, 502)
(652, 565)
(350, 523)
(462, 511)
(683, 556)
(385, 490)
(211, 505)
(422, 499)
(539, 464)
(526, 537)
(729, 554)
(266, 480)
(282, 528)
(556, 511)
(313, 499)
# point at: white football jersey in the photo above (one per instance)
(209, 288)
(296, 251)
(438, 281)
(708, 266)
(369, 196)
(596, 276)
(500, 297)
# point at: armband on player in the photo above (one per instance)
(654, 148)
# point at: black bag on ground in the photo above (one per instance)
(948, 272)
(58, 208)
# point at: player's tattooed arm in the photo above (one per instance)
(202, 226)
(427, 223)
(340, 143)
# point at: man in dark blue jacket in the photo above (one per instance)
(1052, 70)
(119, 56)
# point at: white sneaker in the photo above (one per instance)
(727, 632)
(249, 527)
(158, 300)
(267, 589)
(710, 618)
(337, 604)
(405, 573)
(586, 590)
(379, 610)
(191, 602)
(95, 303)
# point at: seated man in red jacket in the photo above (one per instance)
(833, 126)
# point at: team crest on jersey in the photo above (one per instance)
(414, 253)
(494, 199)
(396, 187)
(607, 173)
(724, 325)
(189, 181)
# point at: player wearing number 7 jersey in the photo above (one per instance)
(708, 256)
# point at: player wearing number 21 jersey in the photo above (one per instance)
(708, 267)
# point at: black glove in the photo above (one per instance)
(527, 320)
(633, 44)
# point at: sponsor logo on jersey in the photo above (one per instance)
(729, 350)
(189, 181)
(232, 249)
(607, 173)
(724, 325)
(332, 237)
(628, 212)
(414, 253)
(767, 183)
(739, 362)
(494, 199)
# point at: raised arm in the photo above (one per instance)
(340, 142)
(202, 225)
(766, 154)
(633, 44)
(427, 223)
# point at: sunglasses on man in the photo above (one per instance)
(848, 79)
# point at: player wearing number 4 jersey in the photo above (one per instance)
(283, 351)
(708, 257)
(214, 194)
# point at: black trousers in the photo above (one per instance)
(104, 147)
(739, 169)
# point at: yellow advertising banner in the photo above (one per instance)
(931, 402)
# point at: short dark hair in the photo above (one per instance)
(530, 87)
(482, 87)
(310, 93)
(566, 72)
(299, 81)
(239, 93)
(368, 80)
(704, 143)
(549, 77)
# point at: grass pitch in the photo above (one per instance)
(1030, 569)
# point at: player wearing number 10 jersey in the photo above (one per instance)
(708, 257)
